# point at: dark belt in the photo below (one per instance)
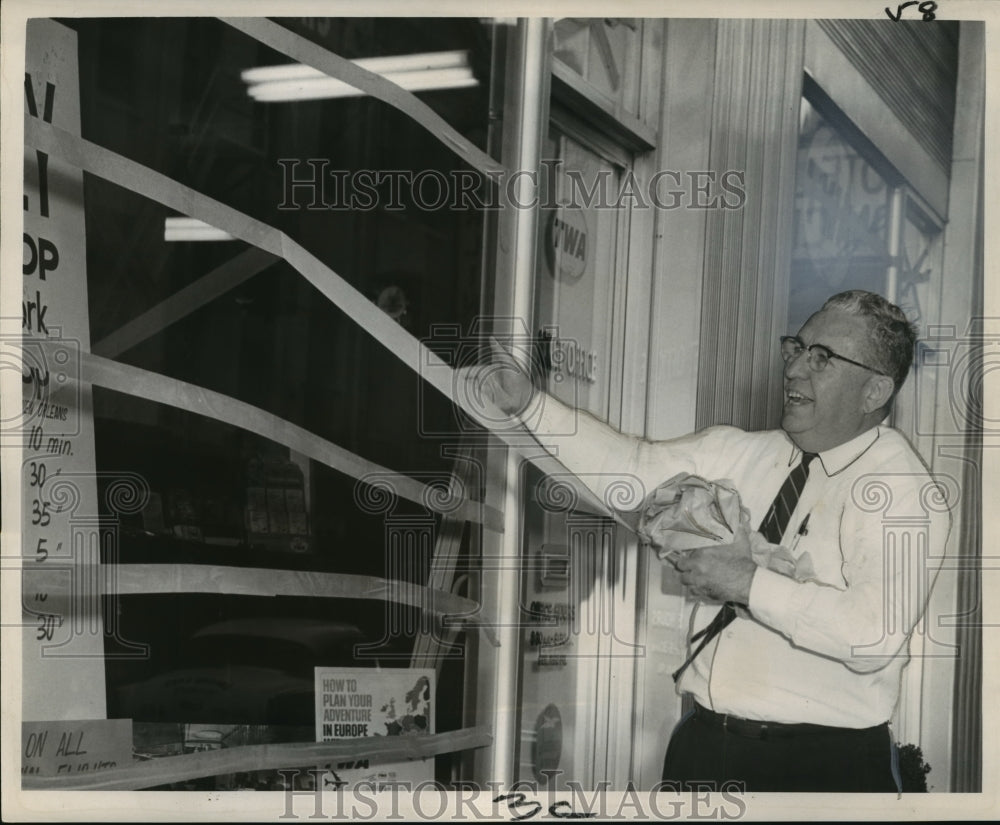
(754, 729)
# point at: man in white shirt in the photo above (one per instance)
(795, 691)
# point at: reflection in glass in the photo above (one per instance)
(841, 219)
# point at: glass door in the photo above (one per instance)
(578, 589)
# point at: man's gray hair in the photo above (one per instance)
(892, 337)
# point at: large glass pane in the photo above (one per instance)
(368, 192)
(841, 219)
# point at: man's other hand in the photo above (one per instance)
(719, 572)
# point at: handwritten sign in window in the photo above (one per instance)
(75, 747)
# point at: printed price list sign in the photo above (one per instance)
(63, 643)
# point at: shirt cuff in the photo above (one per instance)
(772, 598)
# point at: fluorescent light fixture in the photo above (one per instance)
(191, 229)
(412, 72)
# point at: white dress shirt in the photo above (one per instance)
(828, 651)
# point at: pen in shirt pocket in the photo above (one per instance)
(802, 531)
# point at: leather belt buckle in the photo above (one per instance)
(749, 728)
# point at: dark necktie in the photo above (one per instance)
(772, 528)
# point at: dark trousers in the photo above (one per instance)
(706, 753)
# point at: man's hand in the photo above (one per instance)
(503, 381)
(719, 572)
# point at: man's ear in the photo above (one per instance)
(878, 391)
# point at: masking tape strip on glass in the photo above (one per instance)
(153, 386)
(147, 579)
(182, 303)
(170, 769)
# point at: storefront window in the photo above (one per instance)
(257, 416)
(855, 227)
(842, 215)
(287, 529)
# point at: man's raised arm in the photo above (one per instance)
(587, 447)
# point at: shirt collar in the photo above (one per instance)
(840, 457)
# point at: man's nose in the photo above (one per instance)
(798, 365)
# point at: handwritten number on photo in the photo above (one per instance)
(556, 809)
(519, 800)
(560, 810)
(927, 9)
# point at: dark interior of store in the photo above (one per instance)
(167, 94)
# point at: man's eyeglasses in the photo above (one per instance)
(818, 355)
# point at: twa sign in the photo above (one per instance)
(566, 243)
